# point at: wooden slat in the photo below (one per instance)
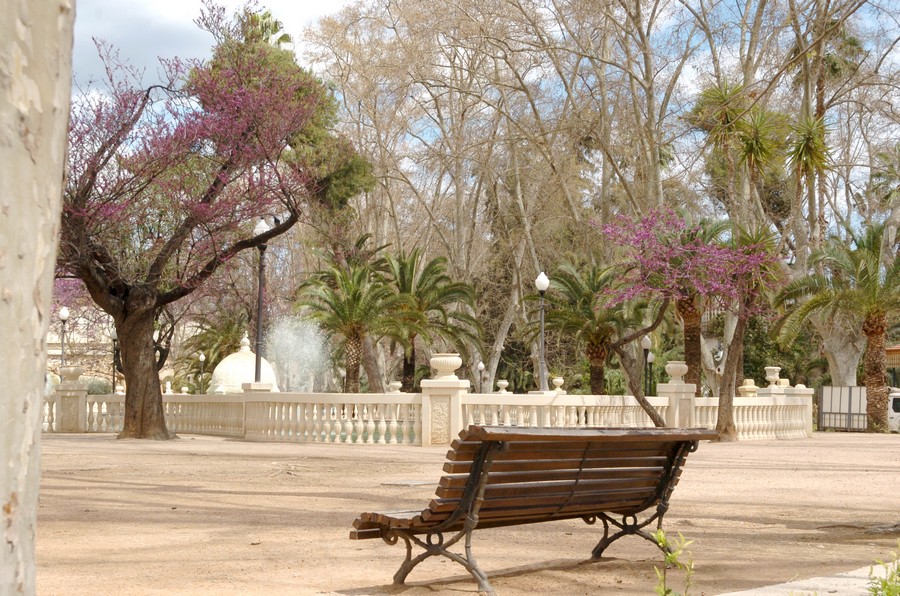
(502, 465)
(466, 451)
(459, 480)
(616, 435)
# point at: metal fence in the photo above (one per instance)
(842, 408)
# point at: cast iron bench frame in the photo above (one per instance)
(501, 476)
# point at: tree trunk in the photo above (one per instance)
(691, 318)
(875, 327)
(352, 353)
(725, 426)
(144, 413)
(370, 363)
(408, 376)
(844, 346)
(34, 107)
(597, 356)
(630, 366)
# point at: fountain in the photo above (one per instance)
(299, 352)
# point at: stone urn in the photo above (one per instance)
(557, 384)
(446, 364)
(772, 375)
(394, 386)
(503, 385)
(70, 373)
(676, 369)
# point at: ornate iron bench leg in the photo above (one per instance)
(627, 527)
(434, 546)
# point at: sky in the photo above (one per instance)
(144, 30)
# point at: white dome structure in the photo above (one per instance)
(239, 368)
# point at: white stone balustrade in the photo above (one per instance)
(436, 416)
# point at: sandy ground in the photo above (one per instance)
(206, 515)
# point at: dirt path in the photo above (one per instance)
(205, 515)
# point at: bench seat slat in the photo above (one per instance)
(506, 465)
(550, 449)
(537, 486)
(515, 476)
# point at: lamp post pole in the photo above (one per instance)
(202, 363)
(115, 346)
(261, 228)
(650, 358)
(63, 317)
(645, 344)
(542, 283)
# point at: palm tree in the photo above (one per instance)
(354, 303)
(808, 155)
(580, 306)
(855, 280)
(432, 306)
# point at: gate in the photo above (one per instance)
(842, 408)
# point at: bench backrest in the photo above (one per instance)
(533, 474)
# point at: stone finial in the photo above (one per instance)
(502, 385)
(676, 369)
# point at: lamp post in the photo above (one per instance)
(651, 357)
(542, 283)
(261, 228)
(114, 336)
(645, 344)
(480, 368)
(63, 317)
(202, 363)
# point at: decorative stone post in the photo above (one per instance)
(748, 389)
(680, 413)
(71, 412)
(442, 413)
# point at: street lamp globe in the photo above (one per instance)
(645, 342)
(261, 227)
(542, 282)
(64, 314)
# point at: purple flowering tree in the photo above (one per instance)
(166, 183)
(669, 258)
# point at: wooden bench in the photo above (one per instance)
(503, 476)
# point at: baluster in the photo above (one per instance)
(370, 424)
(392, 412)
(319, 423)
(382, 423)
(495, 415)
(348, 424)
(416, 414)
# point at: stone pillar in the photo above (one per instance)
(442, 412)
(71, 409)
(801, 390)
(680, 413)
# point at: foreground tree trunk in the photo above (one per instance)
(875, 327)
(34, 108)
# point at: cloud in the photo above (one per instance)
(145, 30)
